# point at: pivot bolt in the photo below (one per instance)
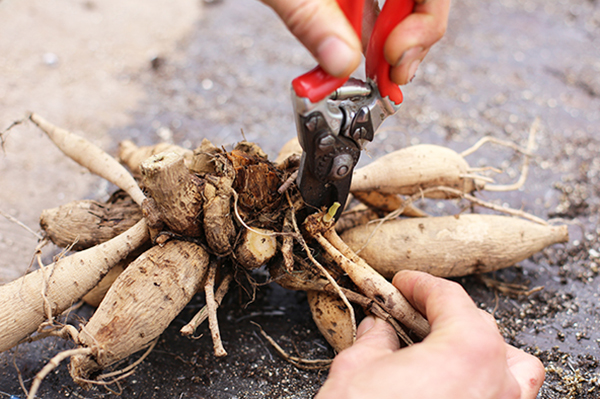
(342, 165)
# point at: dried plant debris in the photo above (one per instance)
(569, 377)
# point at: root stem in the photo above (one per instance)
(51, 365)
(306, 364)
(211, 306)
(190, 328)
(372, 284)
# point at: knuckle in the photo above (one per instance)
(451, 287)
(486, 350)
(439, 30)
(299, 18)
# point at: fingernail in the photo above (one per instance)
(335, 56)
(364, 326)
(409, 56)
(412, 70)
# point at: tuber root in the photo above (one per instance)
(332, 318)
(83, 224)
(22, 302)
(91, 157)
(450, 246)
(139, 306)
(411, 169)
(97, 294)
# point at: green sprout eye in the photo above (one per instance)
(331, 212)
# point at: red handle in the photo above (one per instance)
(318, 84)
(377, 67)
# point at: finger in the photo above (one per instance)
(375, 339)
(528, 370)
(410, 41)
(323, 29)
(489, 319)
(377, 333)
(444, 303)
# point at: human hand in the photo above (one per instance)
(463, 357)
(324, 30)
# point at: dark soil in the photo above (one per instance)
(501, 65)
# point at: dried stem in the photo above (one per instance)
(211, 306)
(177, 193)
(321, 269)
(51, 365)
(306, 364)
(202, 315)
(373, 284)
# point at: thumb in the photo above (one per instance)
(377, 334)
(323, 29)
(375, 339)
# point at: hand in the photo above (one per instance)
(322, 27)
(463, 357)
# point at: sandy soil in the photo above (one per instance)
(70, 61)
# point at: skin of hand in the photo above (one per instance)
(463, 357)
(322, 28)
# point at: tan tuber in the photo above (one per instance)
(450, 246)
(140, 304)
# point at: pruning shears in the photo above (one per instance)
(336, 117)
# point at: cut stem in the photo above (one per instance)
(373, 284)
